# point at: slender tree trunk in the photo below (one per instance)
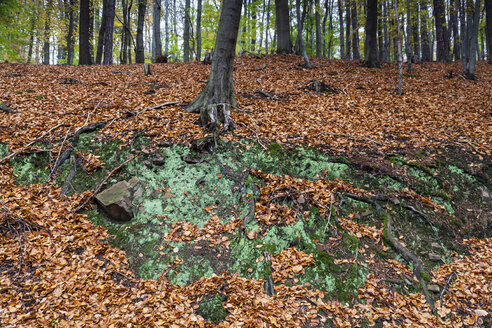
(102, 33)
(488, 29)
(317, 16)
(70, 34)
(166, 23)
(398, 45)
(453, 21)
(91, 31)
(409, 38)
(186, 33)
(424, 32)
(84, 55)
(379, 32)
(253, 25)
(471, 38)
(123, 49)
(156, 31)
(199, 31)
(371, 42)
(108, 39)
(217, 98)
(140, 51)
(284, 44)
(348, 36)
(386, 53)
(47, 25)
(355, 31)
(31, 35)
(267, 26)
(330, 27)
(300, 41)
(342, 37)
(415, 31)
(441, 31)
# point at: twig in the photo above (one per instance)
(329, 216)
(89, 115)
(157, 106)
(256, 135)
(443, 292)
(100, 185)
(31, 143)
(263, 93)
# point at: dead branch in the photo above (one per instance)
(255, 134)
(101, 185)
(262, 67)
(265, 94)
(448, 282)
(30, 144)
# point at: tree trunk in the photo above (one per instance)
(317, 16)
(488, 29)
(84, 55)
(70, 35)
(166, 28)
(415, 31)
(31, 35)
(371, 42)
(124, 44)
(108, 39)
(156, 31)
(386, 53)
(424, 32)
(102, 32)
(46, 36)
(140, 51)
(398, 45)
(217, 98)
(348, 36)
(199, 31)
(409, 39)
(186, 33)
(300, 41)
(471, 38)
(284, 44)
(355, 32)
(441, 31)
(267, 26)
(342, 37)
(380, 34)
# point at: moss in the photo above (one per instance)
(4, 150)
(350, 242)
(211, 308)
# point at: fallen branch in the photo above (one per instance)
(157, 106)
(255, 134)
(101, 185)
(70, 176)
(263, 93)
(262, 67)
(418, 268)
(448, 282)
(30, 144)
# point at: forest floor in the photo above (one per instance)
(335, 202)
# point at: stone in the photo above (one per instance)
(436, 245)
(159, 160)
(485, 193)
(116, 201)
(434, 257)
(434, 288)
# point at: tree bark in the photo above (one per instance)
(215, 101)
(471, 39)
(46, 36)
(424, 32)
(70, 34)
(156, 31)
(186, 32)
(348, 36)
(371, 42)
(441, 31)
(355, 32)
(102, 32)
(317, 16)
(284, 43)
(267, 26)
(108, 38)
(199, 31)
(342, 37)
(488, 29)
(140, 50)
(409, 39)
(84, 55)
(398, 45)
(453, 21)
(300, 41)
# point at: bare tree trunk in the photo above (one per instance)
(453, 21)
(84, 54)
(199, 31)
(47, 25)
(156, 31)
(348, 37)
(371, 41)
(355, 31)
(441, 31)
(300, 41)
(166, 23)
(217, 98)
(424, 32)
(488, 29)
(267, 26)
(415, 31)
(31, 35)
(284, 44)
(342, 37)
(70, 34)
(409, 39)
(317, 16)
(398, 45)
(108, 39)
(387, 39)
(102, 32)
(186, 33)
(140, 50)
(471, 38)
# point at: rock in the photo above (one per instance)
(436, 245)
(116, 201)
(159, 160)
(191, 160)
(434, 257)
(434, 288)
(481, 313)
